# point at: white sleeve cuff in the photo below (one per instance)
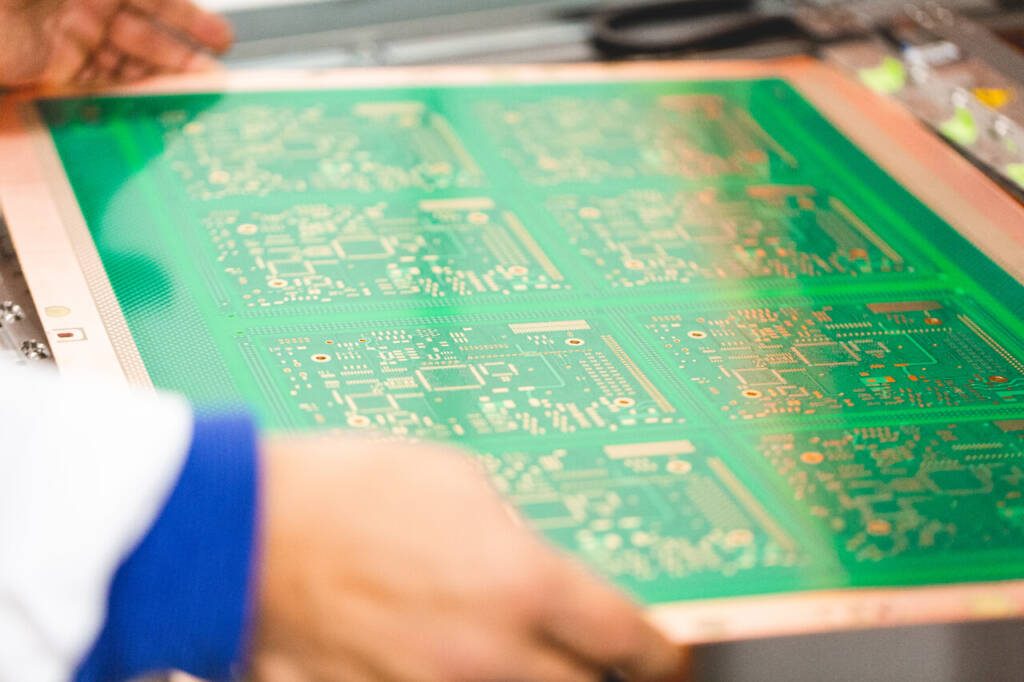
(84, 469)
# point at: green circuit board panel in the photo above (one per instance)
(694, 333)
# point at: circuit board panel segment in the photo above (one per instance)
(558, 140)
(803, 360)
(257, 150)
(914, 496)
(316, 254)
(677, 509)
(696, 335)
(651, 238)
(441, 381)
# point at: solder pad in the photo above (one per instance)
(697, 334)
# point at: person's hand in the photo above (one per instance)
(55, 42)
(399, 562)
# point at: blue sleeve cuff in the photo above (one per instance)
(182, 600)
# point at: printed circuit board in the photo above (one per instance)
(696, 335)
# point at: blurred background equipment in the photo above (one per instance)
(21, 336)
(397, 32)
(955, 64)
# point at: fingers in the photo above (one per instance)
(548, 663)
(108, 63)
(209, 30)
(133, 70)
(87, 75)
(138, 37)
(602, 627)
(84, 27)
(276, 668)
(110, 66)
(160, 35)
(81, 33)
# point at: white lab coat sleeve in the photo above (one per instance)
(84, 470)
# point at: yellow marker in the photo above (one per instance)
(997, 98)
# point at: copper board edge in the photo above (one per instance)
(32, 190)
